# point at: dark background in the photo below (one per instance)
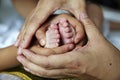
(115, 4)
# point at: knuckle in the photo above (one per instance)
(30, 56)
(37, 34)
(89, 23)
(49, 52)
(65, 48)
(43, 73)
(47, 65)
(46, 73)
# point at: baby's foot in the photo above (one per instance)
(52, 36)
(66, 31)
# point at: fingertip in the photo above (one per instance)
(19, 51)
(68, 47)
(25, 43)
(26, 69)
(19, 58)
(25, 52)
(17, 43)
(83, 16)
(42, 42)
(71, 46)
(78, 37)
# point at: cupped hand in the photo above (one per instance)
(76, 25)
(97, 58)
(42, 11)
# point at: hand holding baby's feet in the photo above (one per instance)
(61, 30)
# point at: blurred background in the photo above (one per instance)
(11, 21)
(111, 12)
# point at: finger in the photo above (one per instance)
(42, 51)
(78, 37)
(63, 49)
(79, 6)
(49, 62)
(57, 50)
(22, 31)
(40, 71)
(79, 30)
(90, 28)
(17, 43)
(56, 73)
(41, 35)
(35, 21)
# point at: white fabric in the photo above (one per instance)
(10, 23)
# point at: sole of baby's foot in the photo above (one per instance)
(52, 36)
(66, 31)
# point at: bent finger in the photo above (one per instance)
(79, 6)
(34, 22)
(48, 62)
(90, 28)
(40, 71)
(48, 51)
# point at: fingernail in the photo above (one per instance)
(83, 16)
(25, 52)
(26, 69)
(42, 42)
(22, 45)
(71, 46)
(16, 43)
(19, 59)
(19, 51)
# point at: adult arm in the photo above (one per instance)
(8, 57)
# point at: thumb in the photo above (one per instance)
(90, 28)
(41, 36)
(79, 8)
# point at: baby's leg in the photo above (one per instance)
(52, 36)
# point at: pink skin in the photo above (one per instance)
(60, 34)
(66, 31)
(52, 36)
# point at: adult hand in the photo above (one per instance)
(42, 11)
(97, 58)
(76, 25)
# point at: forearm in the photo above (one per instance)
(24, 7)
(8, 57)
